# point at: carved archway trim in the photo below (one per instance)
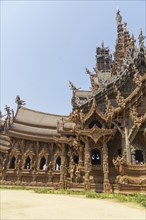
(96, 133)
(94, 111)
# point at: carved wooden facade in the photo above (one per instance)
(101, 145)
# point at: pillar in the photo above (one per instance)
(62, 168)
(81, 155)
(87, 164)
(106, 184)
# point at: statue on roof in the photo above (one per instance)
(94, 80)
(141, 39)
(125, 27)
(8, 118)
(1, 121)
(118, 17)
(19, 101)
(7, 108)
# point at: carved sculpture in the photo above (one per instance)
(120, 99)
(141, 39)
(118, 17)
(19, 101)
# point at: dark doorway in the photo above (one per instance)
(139, 156)
(43, 163)
(95, 157)
(12, 163)
(27, 163)
(120, 152)
(76, 159)
(58, 163)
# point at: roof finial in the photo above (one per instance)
(71, 85)
(102, 44)
(118, 17)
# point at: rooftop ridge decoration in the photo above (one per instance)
(19, 101)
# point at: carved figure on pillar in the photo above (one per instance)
(106, 184)
(72, 170)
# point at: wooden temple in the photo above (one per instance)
(101, 145)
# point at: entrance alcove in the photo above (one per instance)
(12, 163)
(119, 152)
(43, 163)
(139, 156)
(58, 163)
(95, 157)
(75, 159)
(27, 163)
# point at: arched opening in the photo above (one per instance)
(27, 163)
(95, 122)
(58, 163)
(139, 156)
(43, 163)
(12, 163)
(95, 157)
(119, 151)
(76, 159)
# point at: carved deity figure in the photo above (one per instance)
(109, 108)
(19, 101)
(72, 170)
(118, 17)
(94, 80)
(1, 121)
(137, 78)
(125, 27)
(119, 98)
(118, 163)
(78, 174)
(141, 39)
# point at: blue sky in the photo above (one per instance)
(46, 43)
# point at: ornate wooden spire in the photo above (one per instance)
(119, 47)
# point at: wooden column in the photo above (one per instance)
(127, 144)
(62, 168)
(87, 165)
(81, 150)
(106, 184)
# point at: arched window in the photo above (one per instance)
(76, 159)
(12, 163)
(58, 163)
(119, 151)
(95, 157)
(27, 163)
(43, 163)
(139, 156)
